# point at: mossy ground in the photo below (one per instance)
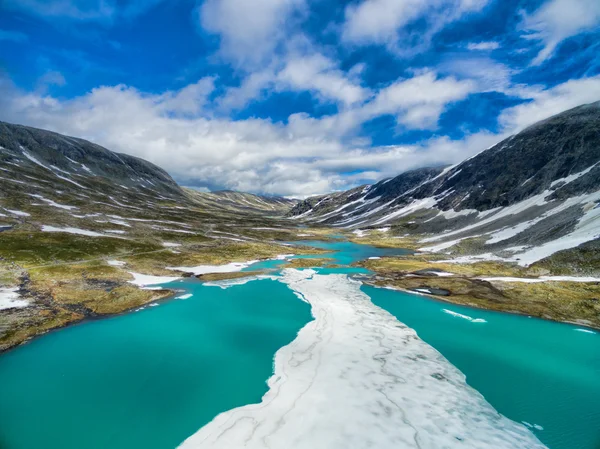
(310, 263)
(215, 277)
(385, 240)
(560, 301)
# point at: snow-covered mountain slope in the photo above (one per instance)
(36, 163)
(62, 159)
(525, 198)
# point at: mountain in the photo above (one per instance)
(523, 199)
(229, 199)
(80, 225)
(41, 160)
(79, 162)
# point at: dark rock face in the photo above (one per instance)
(527, 163)
(82, 159)
(389, 189)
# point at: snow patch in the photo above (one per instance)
(53, 203)
(18, 212)
(205, 269)
(70, 230)
(9, 299)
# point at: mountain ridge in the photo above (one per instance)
(530, 189)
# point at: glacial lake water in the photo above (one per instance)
(151, 378)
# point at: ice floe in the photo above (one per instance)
(226, 283)
(283, 257)
(464, 317)
(356, 377)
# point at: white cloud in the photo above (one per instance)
(305, 155)
(486, 73)
(320, 75)
(418, 102)
(250, 30)
(191, 99)
(384, 21)
(483, 46)
(296, 72)
(557, 20)
(548, 102)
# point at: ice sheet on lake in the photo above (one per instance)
(226, 283)
(356, 377)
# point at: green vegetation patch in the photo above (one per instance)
(309, 263)
(37, 248)
(215, 277)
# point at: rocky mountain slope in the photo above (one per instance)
(248, 202)
(78, 161)
(524, 199)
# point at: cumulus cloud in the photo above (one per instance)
(483, 46)
(303, 156)
(295, 72)
(386, 21)
(249, 30)
(320, 75)
(548, 102)
(418, 102)
(557, 20)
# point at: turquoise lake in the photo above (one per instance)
(149, 379)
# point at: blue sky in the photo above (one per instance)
(295, 97)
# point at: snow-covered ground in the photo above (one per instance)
(356, 377)
(142, 280)
(71, 230)
(205, 269)
(542, 279)
(9, 298)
